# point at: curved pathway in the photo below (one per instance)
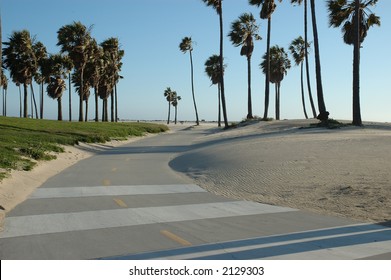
(127, 203)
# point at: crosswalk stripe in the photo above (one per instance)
(68, 192)
(66, 222)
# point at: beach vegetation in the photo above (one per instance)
(25, 141)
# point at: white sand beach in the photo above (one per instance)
(342, 172)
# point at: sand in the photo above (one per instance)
(341, 172)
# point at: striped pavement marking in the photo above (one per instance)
(337, 243)
(66, 222)
(113, 191)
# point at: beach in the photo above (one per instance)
(340, 172)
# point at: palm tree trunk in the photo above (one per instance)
(276, 101)
(356, 67)
(267, 78)
(116, 102)
(106, 110)
(35, 103)
(70, 96)
(5, 102)
(222, 64)
(81, 95)
(86, 115)
(103, 110)
(96, 104)
(323, 114)
(59, 109)
(219, 104)
(192, 88)
(20, 102)
(112, 105)
(41, 104)
(302, 91)
(25, 101)
(307, 65)
(249, 101)
(169, 111)
(176, 114)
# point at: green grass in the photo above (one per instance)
(25, 141)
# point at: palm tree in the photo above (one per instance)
(74, 39)
(298, 49)
(56, 69)
(356, 18)
(174, 103)
(307, 45)
(218, 6)
(243, 33)
(169, 95)
(112, 57)
(21, 62)
(212, 69)
(41, 55)
(268, 7)
(323, 114)
(279, 65)
(187, 46)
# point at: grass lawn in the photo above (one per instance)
(25, 140)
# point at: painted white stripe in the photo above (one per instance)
(65, 222)
(308, 248)
(113, 191)
(311, 248)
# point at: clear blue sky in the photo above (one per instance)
(150, 32)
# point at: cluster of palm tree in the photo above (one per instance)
(172, 98)
(94, 66)
(356, 19)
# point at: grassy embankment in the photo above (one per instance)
(25, 141)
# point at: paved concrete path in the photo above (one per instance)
(126, 203)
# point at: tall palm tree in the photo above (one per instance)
(267, 10)
(356, 18)
(212, 70)
(218, 6)
(307, 44)
(169, 95)
(298, 49)
(185, 46)
(74, 39)
(21, 62)
(176, 98)
(112, 56)
(279, 65)
(243, 33)
(323, 113)
(56, 69)
(41, 55)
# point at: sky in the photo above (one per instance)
(150, 32)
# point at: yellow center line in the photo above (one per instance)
(175, 238)
(106, 182)
(120, 202)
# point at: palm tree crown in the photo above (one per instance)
(243, 32)
(343, 12)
